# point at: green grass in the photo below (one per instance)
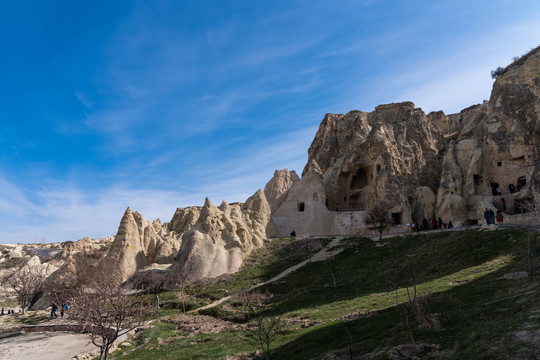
(476, 312)
(262, 265)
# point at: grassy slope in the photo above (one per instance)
(477, 313)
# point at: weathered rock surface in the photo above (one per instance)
(208, 240)
(278, 186)
(304, 209)
(426, 165)
(139, 243)
(222, 236)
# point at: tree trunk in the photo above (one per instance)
(529, 255)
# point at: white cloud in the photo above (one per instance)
(63, 211)
(449, 81)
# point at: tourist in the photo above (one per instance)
(491, 216)
(2, 313)
(499, 191)
(511, 188)
(503, 202)
(434, 223)
(500, 217)
(293, 233)
(62, 310)
(487, 217)
(440, 223)
(53, 311)
(425, 225)
(450, 225)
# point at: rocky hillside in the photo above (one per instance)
(208, 241)
(433, 165)
(427, 165)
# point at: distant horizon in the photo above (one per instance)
(158, 106)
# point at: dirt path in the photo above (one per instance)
(332, 249)
(44, 345)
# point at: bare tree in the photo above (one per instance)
(402, 276)
(27, 283)
(530, 205)
(246, 297)
(264, 332)
(379, 216)
(105, 311)
(149, 282)
(410, 302)
(181, 274)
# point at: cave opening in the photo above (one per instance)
(360, 179)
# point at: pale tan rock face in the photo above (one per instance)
(139, 243)
(424, 204)
(386, 154)
(127, 251)
(304, 209)
(227, 233)
(278, 186)
(399, 154)
(495, 147)
(222, 236)
(184, 219)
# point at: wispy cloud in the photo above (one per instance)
(64, 211)
(83, 98)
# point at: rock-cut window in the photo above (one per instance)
(301, 207)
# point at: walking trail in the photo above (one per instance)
(332, 249)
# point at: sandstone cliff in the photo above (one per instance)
(139, 243)
(433, 165)
(426, 165)
(276, 189)
(210, 240)
(222, 236)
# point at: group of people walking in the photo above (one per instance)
(63, 309)
(491, 216)
(435, 224)
(9, 312)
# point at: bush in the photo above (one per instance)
(498, 71)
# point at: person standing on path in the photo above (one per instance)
(53, 311)
(487, 217)
(492, 216)
(500, 217)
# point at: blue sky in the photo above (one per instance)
(158, 104)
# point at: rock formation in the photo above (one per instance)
(222, 236)
(139, 243)
(303, 208)
(278, 186)
(434, 165)
(426, 165)
(210, 241)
